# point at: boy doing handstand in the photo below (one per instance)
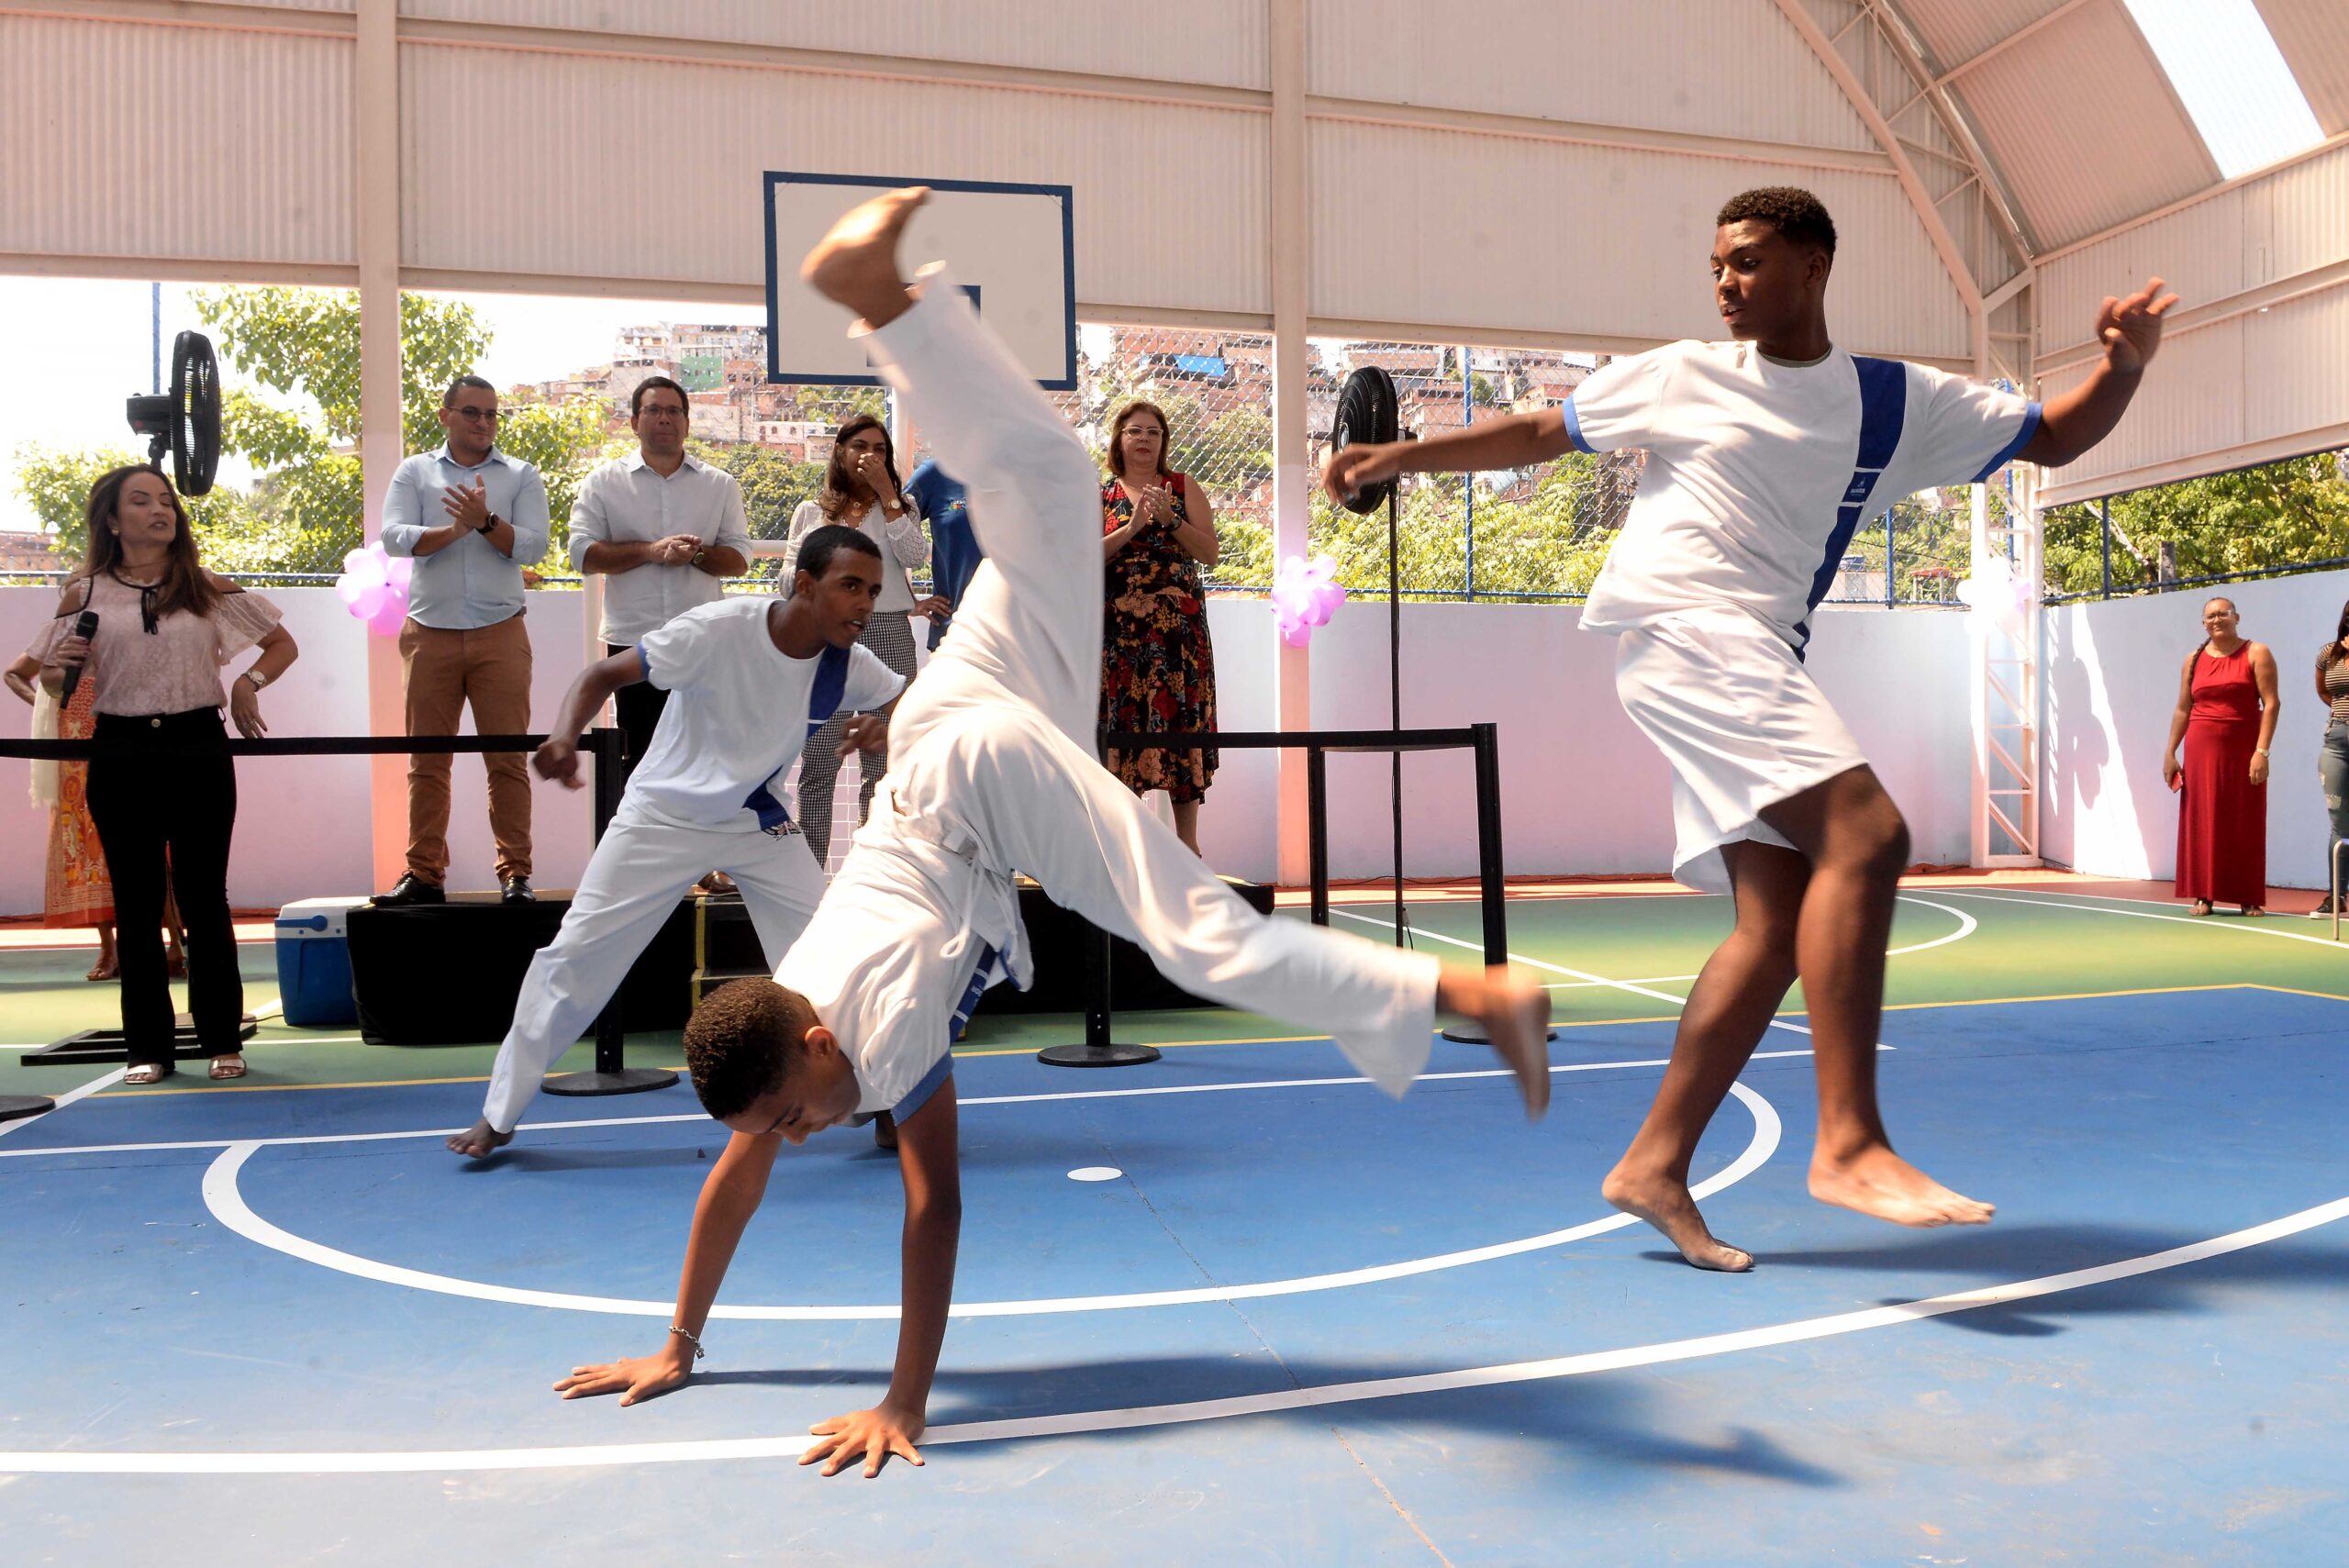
(992, 768)
(1765, 453)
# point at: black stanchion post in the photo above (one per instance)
(611, 1075)
(1098, 1049)
(1317, 830)
(1492, 890)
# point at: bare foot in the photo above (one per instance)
(1515, 1011)
(107, 968)
(1879, 1183)
(856, 263)
(480, 1141)
(1665, 1204)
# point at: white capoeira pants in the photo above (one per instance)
(639, 871)
(995, 743)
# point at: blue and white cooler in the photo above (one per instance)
(314, 962)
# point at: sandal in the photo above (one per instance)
(104, 969)
(145, 1073)
(232, 1065)
(2201, 907)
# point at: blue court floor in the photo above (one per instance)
(1301, 1323)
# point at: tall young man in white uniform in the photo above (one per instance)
(749, 679)
(992, 767)
(1765, 453)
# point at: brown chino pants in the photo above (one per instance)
(489, 667)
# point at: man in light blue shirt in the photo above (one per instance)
(471, 517)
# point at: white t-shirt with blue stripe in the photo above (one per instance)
(738, 715)
(1759, 473)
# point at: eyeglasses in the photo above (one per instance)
(462, 412)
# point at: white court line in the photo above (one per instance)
(63, 1100)
(974, 1100)
(222, 1196)
(1081, 1421)
(1966, 926)
(2207, 922)
(1633, 986)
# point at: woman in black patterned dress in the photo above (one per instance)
(1157, 664)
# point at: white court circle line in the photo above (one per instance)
(1966, 926)
(1094, 1174)
(1076, 1422)
(2207, 922)
(227, 1202)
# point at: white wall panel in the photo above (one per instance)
(1684, 65)
(2296, 366)
(1455, 228)
(2276, 226)
(2111, 677)
(2296, 219)
(2081, 121)
(2200, 251)
(2260, 377)
(554, 164)
(120, 142)
(2189, 402)
(1220, 42)
(301, 823)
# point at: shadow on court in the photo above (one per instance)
(1588, 1420)
(1997, 1254)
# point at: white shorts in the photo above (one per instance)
(1742, 723)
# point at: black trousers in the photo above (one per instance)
(144, 805)
(637, 709)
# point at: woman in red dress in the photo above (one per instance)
(2226, 716)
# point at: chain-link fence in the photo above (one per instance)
(2269, 520)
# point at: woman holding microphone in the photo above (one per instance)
(163, 628)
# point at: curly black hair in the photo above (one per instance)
(1792, 211)
(742, 1041)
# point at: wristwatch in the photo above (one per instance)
(696, 558)
(256, 677)
(488, 523)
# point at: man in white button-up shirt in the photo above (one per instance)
(666, 528)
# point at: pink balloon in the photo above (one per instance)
(386, 621)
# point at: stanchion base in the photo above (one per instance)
(15, 1105)
(626, 1081)
(1473, 1034)
(1097, 1055)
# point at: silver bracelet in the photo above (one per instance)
(691, 1338)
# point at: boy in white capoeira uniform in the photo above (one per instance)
(1765, 454)
(992, 767)
(749, 679)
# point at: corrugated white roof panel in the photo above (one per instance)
(2082, 122)
(2314, 37)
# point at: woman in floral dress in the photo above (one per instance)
(1157, 663)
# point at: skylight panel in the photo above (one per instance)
(2232, 78)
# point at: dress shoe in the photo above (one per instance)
(410, 890)
(517, 890)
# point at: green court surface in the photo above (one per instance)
(1611, 960)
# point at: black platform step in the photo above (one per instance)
(106, 1045)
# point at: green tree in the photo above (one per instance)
(299, 427)
(2254, 520)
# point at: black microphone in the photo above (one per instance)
(85, 628)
